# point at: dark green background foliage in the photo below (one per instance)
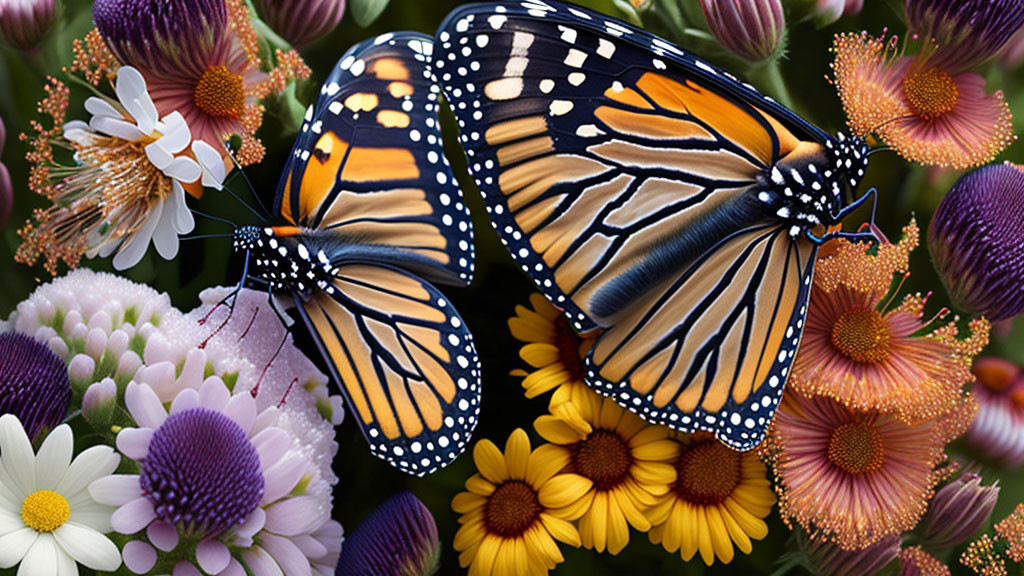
(499, 284)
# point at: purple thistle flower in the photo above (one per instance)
(34, 383)
(163, 36)
(398, 538)
(974, 239)
(25, 22)
(967, 32)
(958, 511)
(301, 22)
(751, 29)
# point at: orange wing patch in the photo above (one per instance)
(380, 164)
(321, 173)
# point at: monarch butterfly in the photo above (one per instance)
(368, 212)
(653, 196)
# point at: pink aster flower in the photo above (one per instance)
(998, 431)
(245, 502)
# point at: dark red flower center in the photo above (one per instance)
(930, 94)
(862, 335)
(603, 457)
(707, 472)
(856, 448)
(511, 509)
(220, 93)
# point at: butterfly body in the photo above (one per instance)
(653, 196)
(366, 217)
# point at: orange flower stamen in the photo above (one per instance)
(930, 94)
(220, 93)
(862, 335)
(856, 447)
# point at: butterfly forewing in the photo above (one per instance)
(622, 173)
(368, 163)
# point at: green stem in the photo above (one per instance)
(673, 18)
(270, 36)
(769, 76)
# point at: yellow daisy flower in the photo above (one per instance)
(514, 509)
(719, 499)
(625, 462)
(553, 349)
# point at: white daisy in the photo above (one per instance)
(49, 523)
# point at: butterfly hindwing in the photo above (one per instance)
(406, 362)
(607, 156)
(368, 163)
(710, 348)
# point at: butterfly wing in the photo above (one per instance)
(608, 157)
(368, 164)
(709, 349)
(406, 360)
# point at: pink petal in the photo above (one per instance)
(242, 409)
(214, 394)
(134, 442)
(139, 557)
(186, 568)
(253, 524)
(185, 400)
(213, 556)
(287, 555)
(271, 444)
(260, 563)
(144, 405)
(282, 477)
(295, 515)
(163, 535)
(133, 516)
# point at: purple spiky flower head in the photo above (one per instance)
(162, 36)
(398, 538)
(975, 241)
(751, 29)
(967, 32)
(300, 22)
(25, 22)
(958, 510)
(34, 383)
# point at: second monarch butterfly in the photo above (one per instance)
(368, 211)
(652, 195)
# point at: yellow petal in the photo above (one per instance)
(609, 415)
(654, 475)
(630, 511)
(556, 430)
(563, 490)
(465, 502)
(751, 525)
(530, 327)
(719, 535)
(650, 434)
(630, 425)
(468, 536)
(663, 450)
(505, 565)
(704, 543)
(689, 527)
(517, 454)
(478, 485)
(546, 461)
(543, 307)
(736, 533)
(598, 517)
(538, 355)
(541, 546)
(489, 461)
(577, 509)
(486, 556)
(658, 513)
(618, 530)
(560, 529)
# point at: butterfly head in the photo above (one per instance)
(249, 238)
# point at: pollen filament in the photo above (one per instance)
(220, 93)
(862, 335)
(856, 447)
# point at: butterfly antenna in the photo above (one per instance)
(205, 236)
(212, 217)
(252, 189)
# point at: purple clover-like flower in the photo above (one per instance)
(967, 32)
(751, 29)
(25, 22)
(301, 22)
(975, 241)
(958, 511)
(398, 538)
(34, 383)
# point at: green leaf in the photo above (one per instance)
(366, 11)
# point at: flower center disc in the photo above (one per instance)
(511, 509)
(862, 335)
(202, 471)
(707, 472)
(603, 457)
(930, 94)
(220, 93)
(45, 511)
(568, 344)
(856, 447)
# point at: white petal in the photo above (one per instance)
(158, 156)
(133, 516)
(13, 546)
(271, 444)
(176, 134)
(183, 168)
(66, 566)
(234, 569)
(93, 515)
(283, 476)
(213, 394)
(41, 557)
(213, 556)
(10, 521)
(134, 442)
(253, 524)
(88, 547)
(212, 163)
(54, 457)
(93, 463)
(116, 490)
(78, 132)
(295, 515)
(131, 91)
(116, 127)
(185, 400)
(100, 107)
(287, 555)
(242, 409)
(135, 248)
(144, 405)
(259, 562)
(165, 237)
(16, 456)
(177, 204)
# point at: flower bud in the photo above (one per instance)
(99, 403)
(300, 22)
(34, 383)
(997, 432)
(828, 559)
(399, 537)
(916, 562)
(25, 22)
(6, 195)
(967, 32)
(826, 12)
(976, 243)
(751, 29)
(958, 510)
